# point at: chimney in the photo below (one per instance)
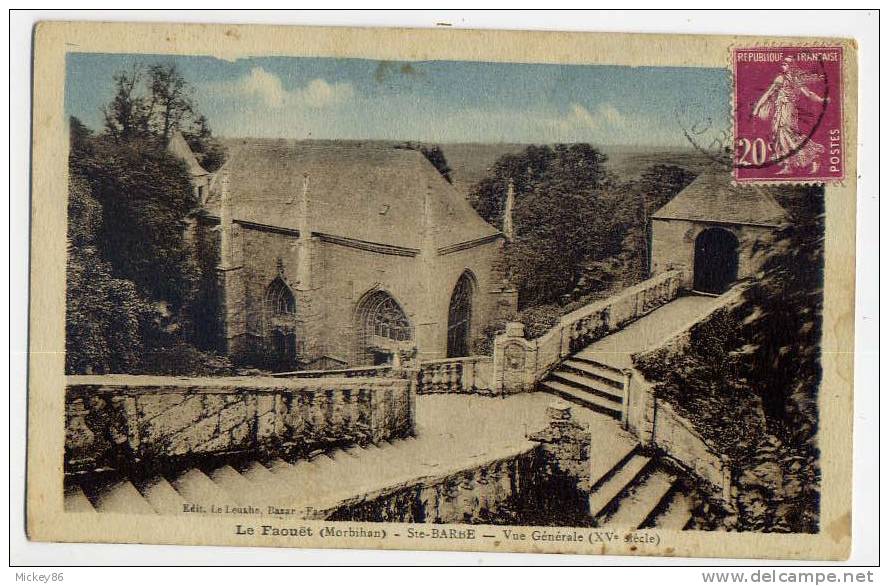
(508, 229)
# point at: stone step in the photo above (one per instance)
(606, 375)
(255, 472)
(122, 497)
(267, 486)
(594, 359)
(637, 504)
(584, 398)
(162, 496)
(233, 483)
(674, 514)
(607, 459)
(279, 467)
(197, 488)
(588, 384)
(76, 501)
(601, 496)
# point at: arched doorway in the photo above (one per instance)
(279, 308)
(460, 316)
(716, 260)
(383, 329)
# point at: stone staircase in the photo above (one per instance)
(588, 382)
(639, 491)
(629, 489)
(250, 482)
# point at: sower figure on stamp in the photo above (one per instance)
(792, 147)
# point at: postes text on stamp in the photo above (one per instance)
(788, 114)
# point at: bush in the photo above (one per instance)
(184, 359)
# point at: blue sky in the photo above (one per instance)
(435, 101)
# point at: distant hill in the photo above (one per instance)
(470, 161)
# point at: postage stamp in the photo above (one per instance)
(788, 114)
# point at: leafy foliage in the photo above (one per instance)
(558, 212)
(434, 155)
(133, 282)
(578, 229)
(152, 102)
(104, 314)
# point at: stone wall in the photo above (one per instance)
(332, 280)
(477, 493)
(673, 246)
(536, 484)
(656, 423)
(117, 420)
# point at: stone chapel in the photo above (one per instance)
(717, 232)
(335, 254)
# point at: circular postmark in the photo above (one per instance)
(776, 117)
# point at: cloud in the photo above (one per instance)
(605, 116)
(269, 89)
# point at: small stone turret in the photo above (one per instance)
(508, 229)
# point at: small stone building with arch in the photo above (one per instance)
(717, 232)
(340, 253)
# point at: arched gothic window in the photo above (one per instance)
(460, 316)
(383, 328)
(279, 299)
(385, 318)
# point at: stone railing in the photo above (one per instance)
(473, 492)
(143, 421)
(657, 424)
(358, 371)
(471, 374)
(519, 363)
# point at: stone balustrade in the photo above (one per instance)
(354, 372)
(142, 421)
(471, 374)
(654, 421)
(520, 363)
(657, 424)
(551, 473)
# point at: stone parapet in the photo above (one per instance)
(520, 363)
(143, 421)
(471, 375)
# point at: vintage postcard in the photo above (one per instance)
(442, 290)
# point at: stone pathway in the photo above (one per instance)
(616, 349)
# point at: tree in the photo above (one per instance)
(560, 216)
(152, 102)
(170, 99)
(433, 154)
(104, 314)
(128, 113)
(525, 169)
(146, 195)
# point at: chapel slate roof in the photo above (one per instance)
(712, 197)
(369, 192)
(179, 147)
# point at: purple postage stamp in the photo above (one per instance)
(788, 114)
